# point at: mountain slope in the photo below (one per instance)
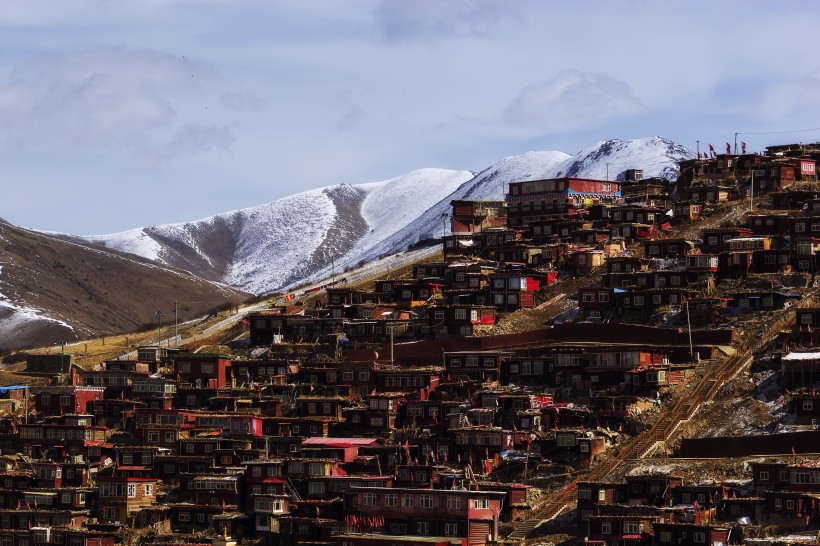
(278, 245)
(264, 248)
(655, 155)
(52, 289)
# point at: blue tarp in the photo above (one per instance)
(4, 390)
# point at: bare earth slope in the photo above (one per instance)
(51, 289)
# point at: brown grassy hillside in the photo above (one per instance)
(95, 291)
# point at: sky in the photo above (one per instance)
(115, 115)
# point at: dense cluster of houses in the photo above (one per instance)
(659, 508)
(398, 420)
(315, 449)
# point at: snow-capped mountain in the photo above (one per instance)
(265, 248)
(277, 245)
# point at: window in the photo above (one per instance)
(808, 405)
(589, 297)
(450, 529)
(482, 503)
(423, 528)
(699, 536)
(407, 501)
(666, 536)
(206, 367)
(764, 476)
(398, 528)
(606, 528)
(368, 499)
(453, 503)
(316, 488)
(132, 490)
(426, 501)
(632, 527)
(601, 494)
(778, 504)
(391, 499)
(149, 489)
(184, 516)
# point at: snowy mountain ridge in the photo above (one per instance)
(303, 237)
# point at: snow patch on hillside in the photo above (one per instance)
(393, 204)
(278, 238)
(134, 241)
(15, 319)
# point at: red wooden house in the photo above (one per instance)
(420, 381)
(538, 199)
(59, 400)
(470, 515)
(690, 533)
(475, 216)
(120, 496)
(203, 370)
(609, 530)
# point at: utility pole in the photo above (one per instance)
(607, 171)
(332, 269)
(735, 143)
(698, 144)
(159, 314)
(689, 327)
(176, 323)
(752, 191)
(62, 357)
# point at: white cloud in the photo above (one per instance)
(105, 99)
(791, 97)
(571, 100)
(405, 20)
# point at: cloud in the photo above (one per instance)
(350, 119)
(104, 100)
(241, 101)
(790, 97)
(406, 20)
(569, 101)
(193, 139)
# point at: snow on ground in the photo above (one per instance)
(393, 204)
(278, 238)
(134, 241)
(15, 319)
(645, 469)
(277, 244)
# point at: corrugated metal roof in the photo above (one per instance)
(338, 442)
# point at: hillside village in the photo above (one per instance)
(606, 362)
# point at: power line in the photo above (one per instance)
(781, 132)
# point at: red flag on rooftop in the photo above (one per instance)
(742, 147)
